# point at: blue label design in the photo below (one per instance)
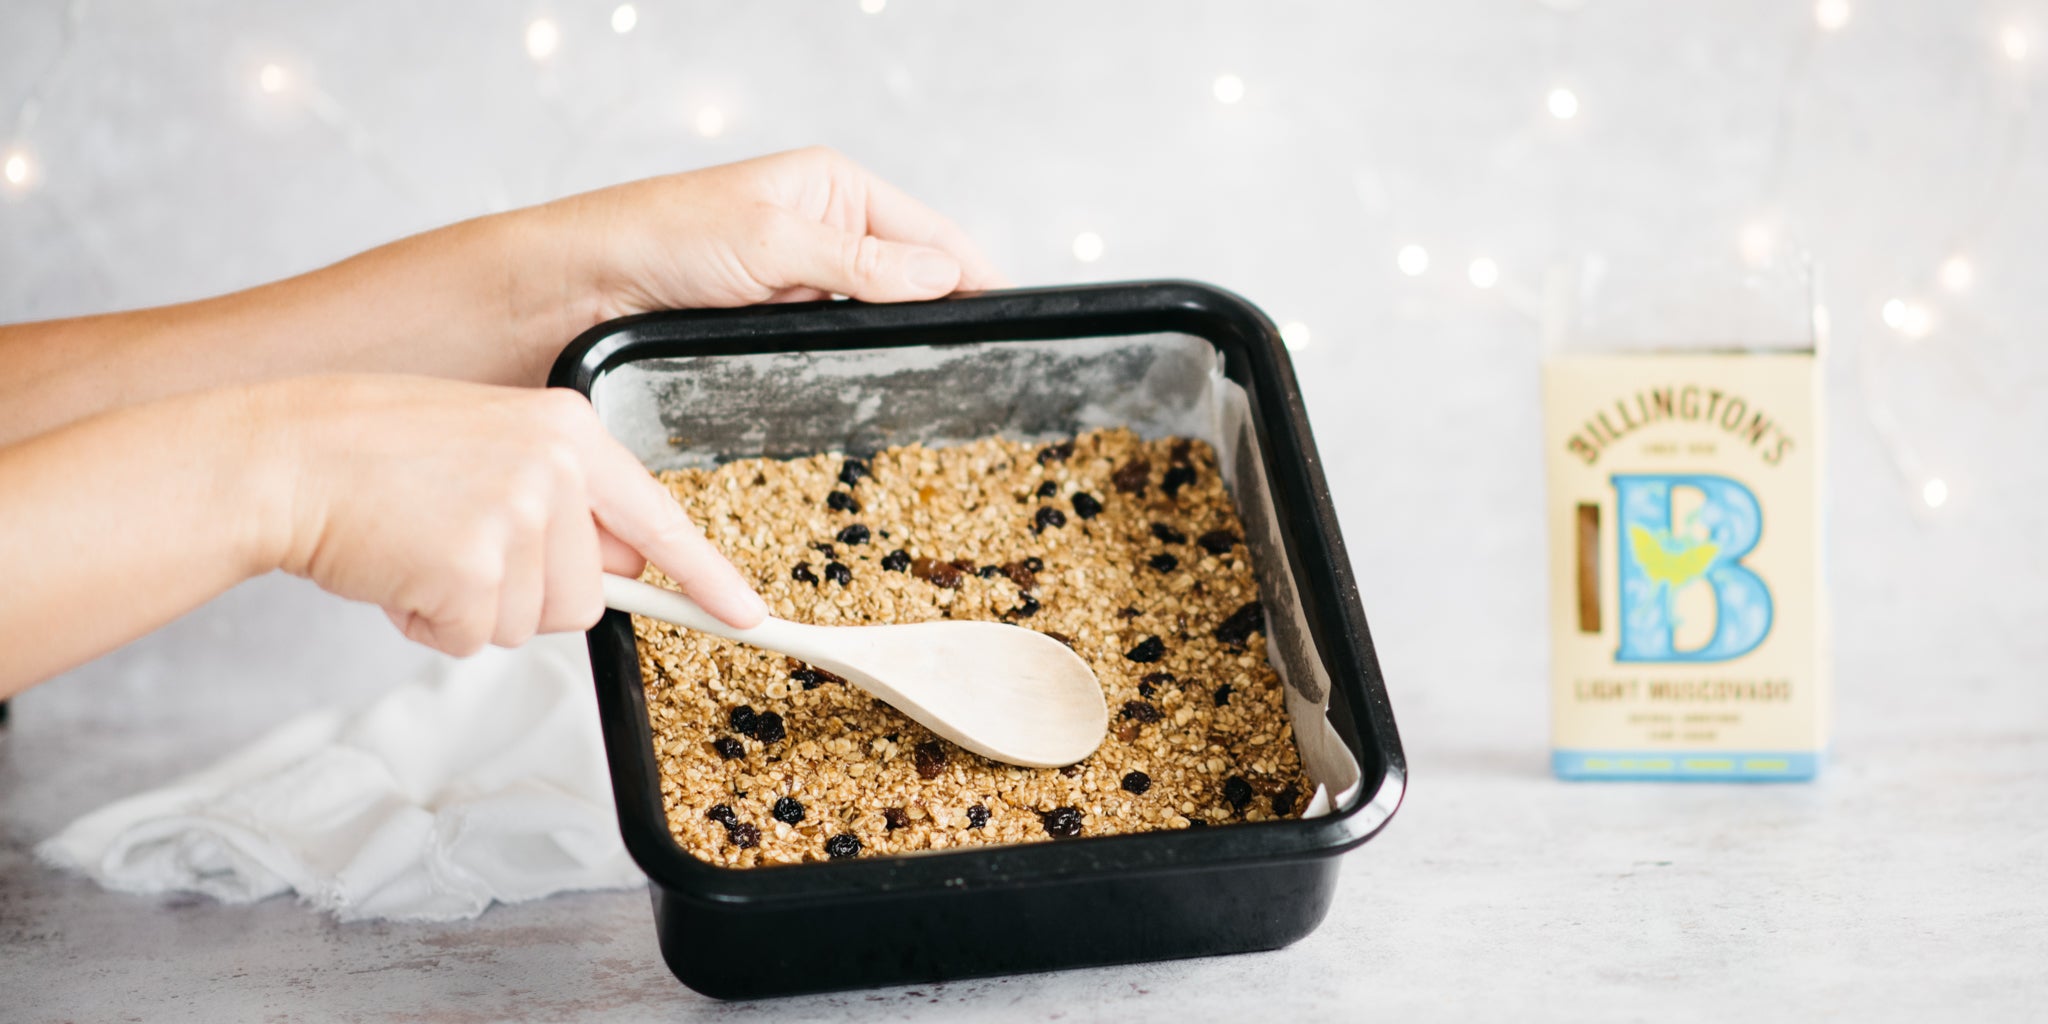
(1658, 558)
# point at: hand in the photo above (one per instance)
(788, 227)
(475, 514)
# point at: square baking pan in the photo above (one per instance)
(1164, 358)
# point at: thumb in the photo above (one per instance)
(808, 254)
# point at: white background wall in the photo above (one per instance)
(161, 171)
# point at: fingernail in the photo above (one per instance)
(932, 271)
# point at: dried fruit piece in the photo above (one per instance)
(722, 814)
(803, 574)
(896, 561)
(1069, 770)
(1048, 516)
(1217, 542)
(743, 835)
(768, 727)
(1128, 612)
(728, 748)
(742, 720)
(1140, 711)
(977, 816)
(1061, 637)
(1027, 606)
(1176, 478)
(1034, 563)
(1132, 476)
(842, 846)
(989, 572)
(895, 818)
(1180, 450)
(1128, 731)
(930, 758)
(1242, 623)
(1148, 650)
(1168, 535)
(1056, 452)
(852, 471)
(825, 549)
(1237, 791)
(1048, 489)
(1061, 822)
(1137, 782)
(1223, 695)
(1020, 574)
(1147, 690)
(1159, 677)
(1086, 505)
(936, 573)
(1283, 801)
(838, 573)
(840, 501)
(854, 533)
(1164, 562)
(788, 811)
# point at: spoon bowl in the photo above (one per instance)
(1005, 692)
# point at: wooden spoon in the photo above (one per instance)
(1002, 691)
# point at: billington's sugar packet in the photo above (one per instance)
(1688, 624)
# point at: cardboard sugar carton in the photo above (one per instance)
(1688, 618)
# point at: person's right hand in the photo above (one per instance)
(470, 513)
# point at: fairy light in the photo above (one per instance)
(1934, 492)
(710, 122)
(873, 6)
(1831, 15)
(1911, 319)
(1563, 103)
(1228, 88)
(272, 79)
(1412, 259)
(1756, 242)
(18, 170)
(2014, 42)
(1957, 274)
(1087, 247)
(624, 18)
(1294, 334)
(1483, 273)
(542, 38)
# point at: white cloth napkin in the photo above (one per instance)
(483, 781)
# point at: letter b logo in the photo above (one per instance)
(1659, 559)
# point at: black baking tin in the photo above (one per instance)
(741, 933)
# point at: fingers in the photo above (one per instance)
(798, 253)
(619, 557)
(575, 562)
(893, 216)
(637, 510)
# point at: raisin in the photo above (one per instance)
(1020, 574)
(1223, 695)
(768, 727)
(806, 676)
(1217, 542)
(1062, 822)
(1176, 478)
(742, 720)
(852, 471)
(743, 835)
(930, 757)
(728, 748)
(895, 818)
(1237, 791)
(842, 846)
(1132, 476)
(1026, 608)
(1128, 731)
(1056, 452)
(1160, 677)
(1140, 711)
(788, 811)
(828, 677)
(896, 561)
(1048, 489)
(1283, 801)
(854, 533)
(1061, 637)
(1147, 690)
(1148, 650)
(838, 573)
(840, 501)
(977, 816)
(936, 573)
(803, 574)
(1197, 823)
(1128, 612)
(1048, 516)
(1180, 451)
(965, 565)
(825, 549)
(989, 572)
(1034, 563)
(1086, 505)
(1168, 535)
(1241, 624)
(1069, 770)
(1164, 562)
(722, 814)
(1137, 782)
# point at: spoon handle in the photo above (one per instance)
(779, 635)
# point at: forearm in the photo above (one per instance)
(488, 300)
(115, 525)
